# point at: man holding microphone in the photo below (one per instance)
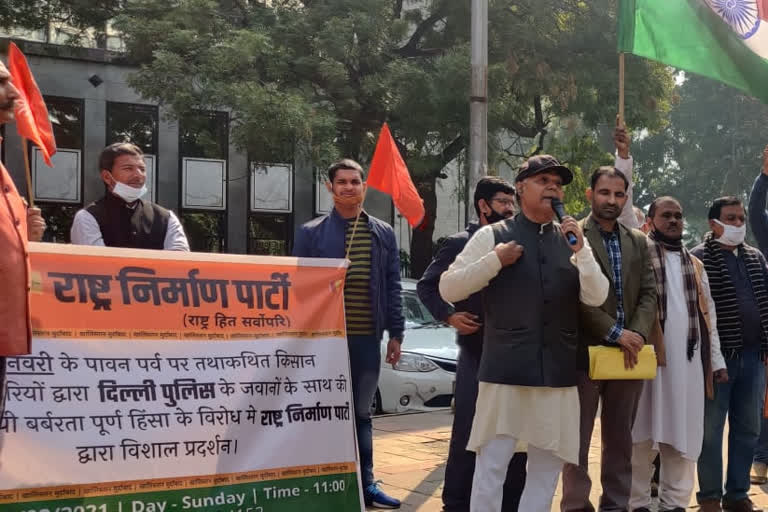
(533, 280)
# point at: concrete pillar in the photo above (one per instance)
(303, 188)
(94, 141)
(238, 202)
(168, 163)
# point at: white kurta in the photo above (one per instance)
(547, 418)
(671, 407)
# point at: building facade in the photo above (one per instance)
(226, 202)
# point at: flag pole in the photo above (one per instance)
(621, 88)
(30, 191)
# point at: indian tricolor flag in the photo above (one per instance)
(722, 39)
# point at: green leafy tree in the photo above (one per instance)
(77, 15)
(324, 75)
(712, 147)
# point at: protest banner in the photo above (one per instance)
(164, 381)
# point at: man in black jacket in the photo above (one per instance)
(494, 201)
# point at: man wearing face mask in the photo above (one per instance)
(372, 300)
(670, 413)
(121, 218)
(758, 221)
(738, 279)
(494, 201)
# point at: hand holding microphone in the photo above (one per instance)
(569, 226)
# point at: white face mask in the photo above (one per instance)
(732, 235)
(127, 193)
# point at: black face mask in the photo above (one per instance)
(669, 243)
(493, 217)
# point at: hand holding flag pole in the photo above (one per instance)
(30, 190)
(31, 114)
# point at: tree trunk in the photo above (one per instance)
(421, 241)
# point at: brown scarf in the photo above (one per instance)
(658, 244)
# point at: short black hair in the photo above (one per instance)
(344, 163)
(717, 206)
(657, 201)
(488, 187)
(612, 172)
(110, 153)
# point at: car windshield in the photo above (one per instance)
(415, 311)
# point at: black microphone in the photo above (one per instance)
(559, 208)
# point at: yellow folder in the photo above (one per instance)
(607, 363)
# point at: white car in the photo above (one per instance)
(424, 377)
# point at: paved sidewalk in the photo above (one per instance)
(410, 452)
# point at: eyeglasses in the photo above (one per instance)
(504, 202)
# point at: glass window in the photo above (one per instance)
(60, 183)
(137, 124)
(269, 234)
(58, 190)
(271, 187)
(205, 231)
(414, 310)
(58, 220)
(204, 135)
(323, 199)
(204, 148)
(205, 183)
(66, 115)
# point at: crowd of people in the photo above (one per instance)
(527, 297)
(527, 304)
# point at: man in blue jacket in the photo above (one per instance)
(371, 297)
(494, 201)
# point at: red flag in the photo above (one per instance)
(31, 113)
(389, 174)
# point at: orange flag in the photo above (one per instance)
(31, 113)
(389, 174)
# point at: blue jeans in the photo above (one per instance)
(761, 450)
(741, 399)
(365, 361)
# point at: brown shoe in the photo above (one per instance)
(710, 506)
(744, 505)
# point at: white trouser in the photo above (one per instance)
(491, 471)
(676, 478)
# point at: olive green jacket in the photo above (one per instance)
(639, 287)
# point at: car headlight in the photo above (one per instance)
(415, 363)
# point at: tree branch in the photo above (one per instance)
(522, 130)
(539, 123)
(398, 9)
(452, 150)
(411, 48)
(244, 19)
(538, 112)
(512, 153)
